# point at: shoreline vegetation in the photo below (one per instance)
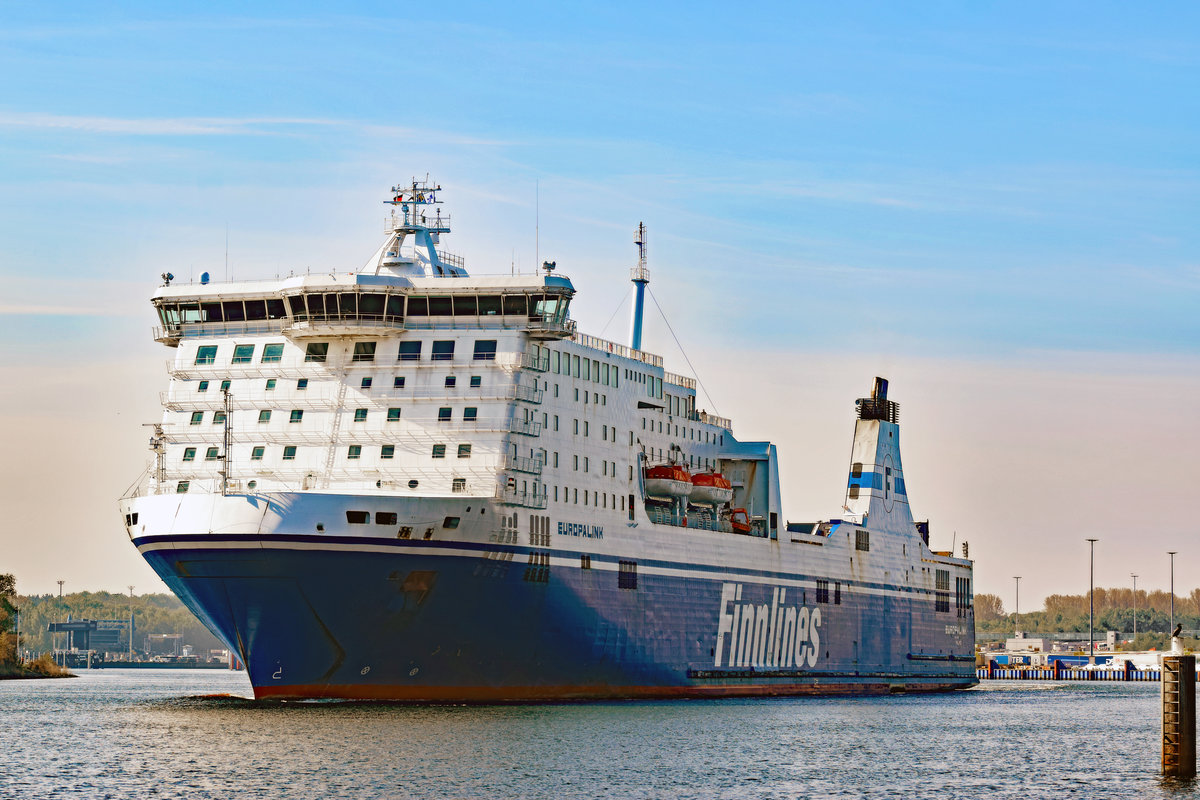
(10, 667)
(41, 667)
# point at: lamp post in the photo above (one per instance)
(1135, 607)
(1092, 602)
(131, 623)
(1172, 553)
(1017, 613)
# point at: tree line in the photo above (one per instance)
(152, 613)
(1115, 609)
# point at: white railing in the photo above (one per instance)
(605, 345)
(528, 499)
(679, 380)
(525, 427)
(522, 464)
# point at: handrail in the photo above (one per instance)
(679, 380)
(596, 343)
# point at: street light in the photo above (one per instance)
(1172, 553)
(1092, 603)
(1017, 613)
(1135, 607)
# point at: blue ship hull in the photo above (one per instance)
(443, 621)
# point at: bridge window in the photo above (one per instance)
(234, 311)
(514, 304)
(465, 305)
(256, 310)
(316, 352)
(440, 307)
(364, 351)
(418, 306)
(489, 304)
(370, 306)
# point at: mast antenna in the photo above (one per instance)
(640, 278)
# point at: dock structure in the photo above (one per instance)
(1179, 716)
(1067, 674)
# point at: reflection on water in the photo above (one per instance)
(197, 734)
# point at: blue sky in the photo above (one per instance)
(981, 187)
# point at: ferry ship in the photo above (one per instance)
(408, 483)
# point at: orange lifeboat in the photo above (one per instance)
(668, 481)
(740, 520)
(711, 488)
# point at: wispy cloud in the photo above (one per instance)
(63, 311)
(162, 126)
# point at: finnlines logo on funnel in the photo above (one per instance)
(776, 635)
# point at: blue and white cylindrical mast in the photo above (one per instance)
(640, 278)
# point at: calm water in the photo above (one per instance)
(117, 733)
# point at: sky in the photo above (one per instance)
(992, 205)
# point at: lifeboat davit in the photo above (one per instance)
(739, 520)
(668, 481)
(711, 488)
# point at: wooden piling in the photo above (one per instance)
(1179, 716)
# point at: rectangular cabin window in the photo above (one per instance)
(316, 352)
(444, 414)
(297, 415)
(451, 381)
(365, 383)
(370, 306)
(440, 307)
(489, 305)
(627, 575)
(202, 386)
(189, 454)
(387, 451)
(410, 351)
(301, 384)
(587, 369)
(439, 451)
(197, 417)
(289, 452)
(464, 451)
(272, 353)
(418, 306)
(206, 354)
(393, 415)
(210, 454)
(256, 454)
(386, 518)
(476, 381)
(514, 304)
(270, 387)
(218, 418)
(354, 451)
(234, 311)
(358, 517)
(395, 306)
(398, 382)
(225, 385)
(585, 561)
(458, 485)
(275, 308)
(465, 306)
(364, 351)
(182, 487)
(470, 413)
(442, 350)
(822, 591)
(555, 360)
(256, 310)
(360, 415)
(485, 350)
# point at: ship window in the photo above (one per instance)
(822, 591)
(289, 452)
(348, 303)
(393, 415)
(211, 312)
(364, 351)
(225, 385)
(418, 306)
(202, 386)
(256, 310)
(275, 309)
(301, 384)
(297, 415)
(451, 522)
(854, 492)
(514, 304)
(370, 306)
(189, 454)
(627, 574)
(257, 453)
(862, 540)
(439, 451)
(395, 305)
(458, 485)
(410, 351)
(470, 413)
(440, 307)
(358, 517)
(485, 350)
(360, 415)
(444, 414)
(476, 381)
(585, 561)
(587, 369)
(489, 304)
(219, 418)
(442, 350)
(398, 382)
(210, 454)
(837, 594)
(234, 311)
(354, 451)
(270, 387)
(197, 417)
(316, 351)
(413, 484)
(465, 306)
(387, 451)
(575, 366)
(386, 518)
(630, 506)
(316, 306)
(451, 381)
(296, 302)
(366, 383)
(856, 470)
(464, 451)
(206, 354)
(182, 487)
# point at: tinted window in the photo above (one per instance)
(489, 304)
(443, 351)
(410, 351)
(440, 306)
(256, 309)
(514, 304)
(464, 306)
(485, 350)
(316, 351)
(358, 517)
(234, 312)
(418, 306)
(370, 305)
(395, 305)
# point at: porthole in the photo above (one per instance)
(252, 485)
(413, 484)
